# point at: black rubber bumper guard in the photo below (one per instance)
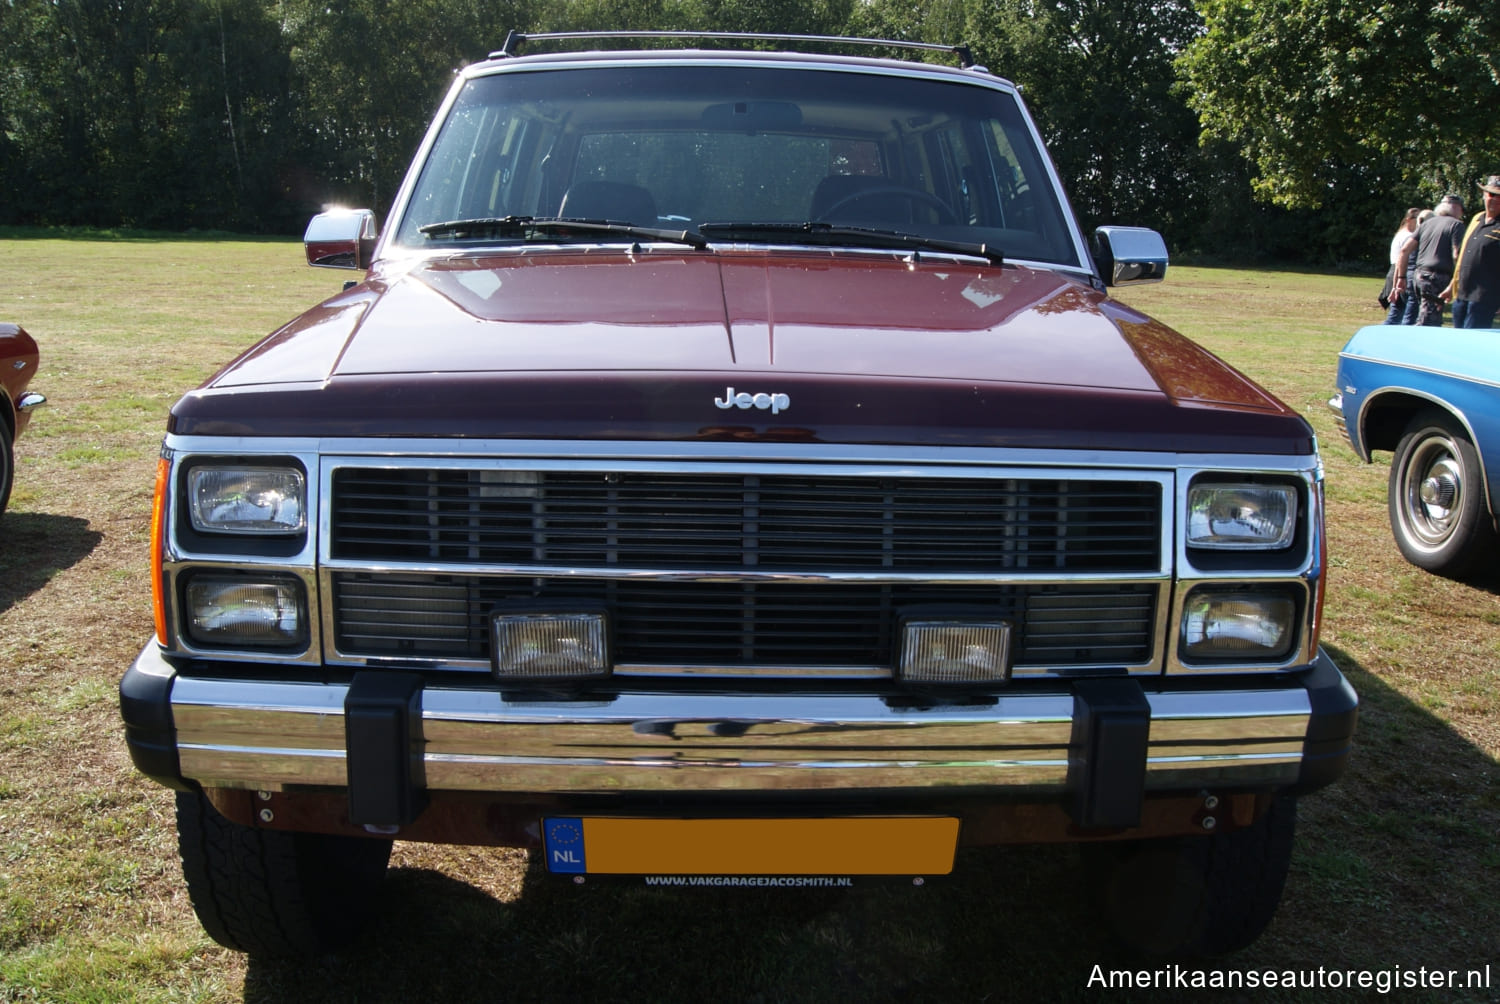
(382, 718)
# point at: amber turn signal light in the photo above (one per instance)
(158, 548)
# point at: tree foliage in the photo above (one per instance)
(1099, 79)
(251, 114)
(367, 75)
(1322, 93)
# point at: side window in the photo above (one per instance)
(512, 185)
(449, 176)
(1017, 204)
(484, 164)
(956, 176)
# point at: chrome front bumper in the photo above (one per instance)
(242, 732)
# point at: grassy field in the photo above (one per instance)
(1398, 866)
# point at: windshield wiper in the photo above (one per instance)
(838, 233)
(526, 227)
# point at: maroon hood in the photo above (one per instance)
(855, 347)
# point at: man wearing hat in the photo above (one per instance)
(1475, 289)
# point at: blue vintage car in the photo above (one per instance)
(1431, 396)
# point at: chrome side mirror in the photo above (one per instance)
(1127, 255)
(341, 238)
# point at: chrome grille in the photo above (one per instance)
(446, 617)
(767, 522)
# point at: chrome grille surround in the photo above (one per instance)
(1146, 598)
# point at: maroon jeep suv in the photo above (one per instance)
(731, 469)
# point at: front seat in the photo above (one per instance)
(616, 201)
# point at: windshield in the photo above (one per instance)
(687, 147)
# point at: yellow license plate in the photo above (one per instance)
(873, 845)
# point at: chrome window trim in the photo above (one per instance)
(542, 62)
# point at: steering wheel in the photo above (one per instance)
(914, 195)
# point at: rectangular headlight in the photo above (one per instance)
(249, 500)
(954, 651)
(1241, 516)
(240, 612)
(1252, 626)
(538, 645)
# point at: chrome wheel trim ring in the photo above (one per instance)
(1433, 475)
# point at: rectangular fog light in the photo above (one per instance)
(549, 646)
(954, 651)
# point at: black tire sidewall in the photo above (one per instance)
(276, 892)
(7, 465)
(1194, 897)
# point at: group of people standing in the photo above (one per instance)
(1436, 261)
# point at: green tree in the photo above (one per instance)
(1099, 80)
(154, 113)
(817, 17)
(1324, 93)
(367, 76)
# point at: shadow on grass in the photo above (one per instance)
(36, 546)
(976, 934)
(1396, 866)
(1486, 578)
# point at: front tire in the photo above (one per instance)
(7, 465)
(271, 892)
(1436, 496)
(1190, 897)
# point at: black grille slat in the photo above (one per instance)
(707, 522)
(770, 522)
(761, 624)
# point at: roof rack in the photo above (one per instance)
(514, 40)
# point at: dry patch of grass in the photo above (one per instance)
(1397, 866)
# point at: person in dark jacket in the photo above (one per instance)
(1436, 245)
(1475, 289)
